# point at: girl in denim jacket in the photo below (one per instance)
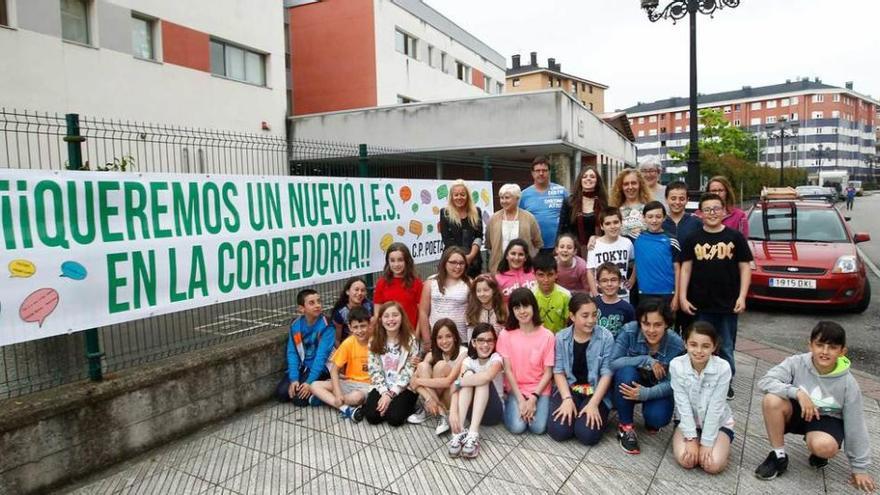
(705, 422)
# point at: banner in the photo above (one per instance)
(88, 249)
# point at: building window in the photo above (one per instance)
(771, 104)
(793, 117)
(784, 102)
(515, 82)
(756, 105)
(406, 44)
(652, 132)
(487, 84)
(737, 123)
(238, 63)
(559, 83)
(652, 119)
(771, 119)
(727, 109)
(462, 72)
(641, 133)
(836, 98)
(4, 15)
(755, 121)
(499, 88)
(818, 98)
(794, 100)
(818, 115)
(835, 114)
(678, 129)
(432, 54)
(142, 30)
(591, 106)
(662, 116)
(75, 21)
(641, 120)
(737, 107)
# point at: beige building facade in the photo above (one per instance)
(533, 77)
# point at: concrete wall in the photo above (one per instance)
(398, 74)
(53, 437)
(39, 71)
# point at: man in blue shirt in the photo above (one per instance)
(543, 199)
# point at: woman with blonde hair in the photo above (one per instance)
(461, 225)
(734, 218)
(630, 194)
(509, 223)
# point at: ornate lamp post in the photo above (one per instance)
(786, 129)
(677, 10)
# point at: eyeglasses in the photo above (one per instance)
(712, 210)
(456, 263)
(484, 341)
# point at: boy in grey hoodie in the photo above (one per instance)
(815, 395)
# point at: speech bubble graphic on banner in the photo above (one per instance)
(475, 196)
(416, 228)
(21, 269)
(38, 305)
(442, 191)
(400, 231)
(385, 241)
(415, 207)
(405, 193)
(430, 228)
(73, 270)
(484, 194)
(425, 196)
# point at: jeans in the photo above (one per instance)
(515, 424)
(282, 388)
(578, 428)
(657, 412)
(725, 325)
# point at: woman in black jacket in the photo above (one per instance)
(580, 213)
(461, 224)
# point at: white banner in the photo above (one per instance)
(88, 249)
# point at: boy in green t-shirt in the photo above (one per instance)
(552, 298)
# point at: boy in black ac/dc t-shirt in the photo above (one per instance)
(715, 275)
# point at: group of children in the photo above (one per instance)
(552, 344)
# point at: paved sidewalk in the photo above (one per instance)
(278, 449)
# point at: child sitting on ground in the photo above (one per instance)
(349, 392)
(309, 344)
(814, 394)
(552, 298)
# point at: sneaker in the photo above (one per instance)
(442, 426)
(418, 417)
(456, 444)
(314, 401)
(730, 393)
(771, 467)
(471, 447)
(346, 413)
(817, 462)
(357, 415)
(628, 439)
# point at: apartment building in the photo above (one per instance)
(350, 54)
(197, 63)
(838, 119)
(532, 77)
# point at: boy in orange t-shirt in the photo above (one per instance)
(349, 391)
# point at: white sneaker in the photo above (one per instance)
(456, 442)
(471, 447)
(418, 417)
(442, 425)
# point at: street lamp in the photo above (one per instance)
(786, 129)
(677, 10)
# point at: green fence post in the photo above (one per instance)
(74, 162)
(364, 171)
(487, 169)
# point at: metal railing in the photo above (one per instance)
(36, 141)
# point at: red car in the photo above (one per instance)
(805, 254)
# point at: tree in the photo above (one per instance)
(721, 138)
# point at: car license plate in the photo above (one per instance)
(793, 283)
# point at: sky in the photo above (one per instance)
(759, 43)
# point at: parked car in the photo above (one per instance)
(817, 192)
(805, 254)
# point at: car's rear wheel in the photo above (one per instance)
(863, 304)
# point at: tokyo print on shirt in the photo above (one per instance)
(619, 252)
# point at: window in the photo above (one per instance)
(4, 15)
(75, 21)
(771, 104)
(756, 105)
(678, 129)
(836, 98)
(142, 30)
(677, 115)
(591, 106)
(771, 119)
(818, 115)
(652, 119)
(818, 98)
(794, 100)
(559, 83)
(737, 107)
(835, 114)
(727, 109)
(444, 62)
(487, 84)
(590, 86)
(462, 72)
(499, 88)
(755, 121)
(432, 56)
(784, 102)
(641, 133)
(793, 117)
(641, 120)
(662, 130)
(515, 82)
(737, 123)
(406, 44)
(662, 116)
(238, 63)
(652, 132)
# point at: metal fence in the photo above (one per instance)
(31, 140)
